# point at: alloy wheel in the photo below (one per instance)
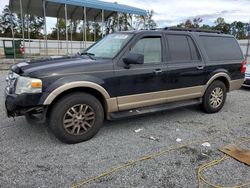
(216, 97)
(79, 119)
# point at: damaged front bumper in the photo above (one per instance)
(17, 105)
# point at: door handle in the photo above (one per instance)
(200, 67)
(158, 71)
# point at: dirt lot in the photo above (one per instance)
(32, 157)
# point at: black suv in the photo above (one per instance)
(126, 74)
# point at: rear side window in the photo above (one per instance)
(182, 48)
(221, 48)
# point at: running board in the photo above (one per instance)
(153, 109)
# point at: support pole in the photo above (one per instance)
(45, 27)
(94, 30)
(102, 22)
(131, 24)
(28, 28)
(66, 29)
(71, 37)
(248, 43)
(13, 35)
(21, 12)
(58, 37)
(83, 33)
(85, 27)
(118, 21)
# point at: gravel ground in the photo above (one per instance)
(31, 157)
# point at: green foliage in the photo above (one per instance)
(237, 28)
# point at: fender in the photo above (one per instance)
(214, 77)
(72, 85)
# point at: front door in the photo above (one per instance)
(141, 85)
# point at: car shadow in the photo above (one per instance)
(42, 132)
(245, 88)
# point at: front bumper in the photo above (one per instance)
(17, 105)
(246, 82)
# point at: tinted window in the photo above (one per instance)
(221, 48)
(150, 48)
(194, 52)
(182, 48)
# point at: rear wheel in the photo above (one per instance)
(214, 97)
(76, 117)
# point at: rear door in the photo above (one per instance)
(184, 72)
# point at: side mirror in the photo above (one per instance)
(133, 58)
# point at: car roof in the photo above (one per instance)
(176, 32)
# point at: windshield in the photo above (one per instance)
(109, 46)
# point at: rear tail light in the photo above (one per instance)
(244, 67)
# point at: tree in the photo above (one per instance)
(221, 25)
(35, 26)
(239, 30)
(195, 23)
(146, 22)
(61, 26)
(7, 20)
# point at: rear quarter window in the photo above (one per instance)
(221, 48)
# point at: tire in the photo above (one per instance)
(214, 97)
(76, 117)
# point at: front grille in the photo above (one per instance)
(11, 79)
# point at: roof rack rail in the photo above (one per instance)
(192, 30)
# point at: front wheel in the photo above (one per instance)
(214, 97)
(77, 117)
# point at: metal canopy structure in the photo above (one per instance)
(55, 8)
(85, 10)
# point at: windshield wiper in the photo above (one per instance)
(90, 55)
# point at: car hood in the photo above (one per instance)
(56, 66)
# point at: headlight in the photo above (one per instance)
(28, 85)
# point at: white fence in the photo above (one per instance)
(37, 47)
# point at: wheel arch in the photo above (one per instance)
(109, 104)
(223, 77)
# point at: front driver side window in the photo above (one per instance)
(150, 48)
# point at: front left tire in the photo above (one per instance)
(76, 117)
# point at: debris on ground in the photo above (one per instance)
(238, 153)
(150, 137)
(206, 144)
(138, 130)
(204, 154)
(178, 140)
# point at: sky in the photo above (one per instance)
(172, 12)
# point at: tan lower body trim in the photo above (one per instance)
(112, 105)
(184, 93)
(141, 100)
(236, 84)
(154, 98)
